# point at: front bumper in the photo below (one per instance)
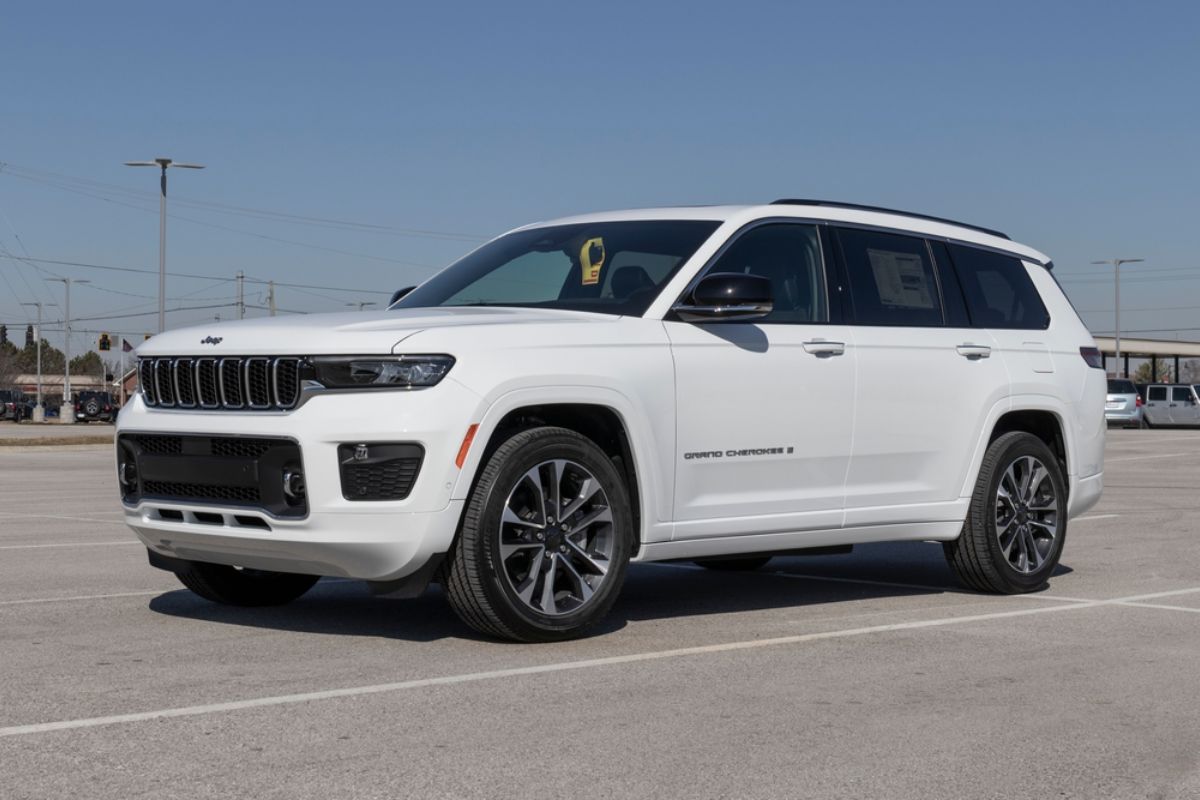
(366, 540)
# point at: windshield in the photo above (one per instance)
(609, 267)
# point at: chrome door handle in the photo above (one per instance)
(974, 350)
(825, 349)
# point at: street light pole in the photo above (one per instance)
(163, 164)
(66, 412)
(1117, 262)
(1116, 306)
(39, 413)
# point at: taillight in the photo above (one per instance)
(1138, 401)
(1092, 356)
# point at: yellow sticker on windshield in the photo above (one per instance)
(591, 257)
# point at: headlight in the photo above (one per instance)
(379, 372)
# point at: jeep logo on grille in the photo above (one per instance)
(211, 340)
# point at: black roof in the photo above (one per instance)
(857, 207)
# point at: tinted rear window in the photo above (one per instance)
(1116, 386)
(999, 291)
(1158, 393)
(891, 279)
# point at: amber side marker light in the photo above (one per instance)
(466, 445)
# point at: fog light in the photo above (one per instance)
(293, 484)
(127, 474)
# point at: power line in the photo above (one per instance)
(142, 271)
(56, 179)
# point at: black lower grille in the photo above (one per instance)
(159, 445)
(199, 491)
(216, 470)
(379, 471)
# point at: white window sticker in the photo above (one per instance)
(900, 278)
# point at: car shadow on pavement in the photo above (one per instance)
(874, 571)
(651, 591)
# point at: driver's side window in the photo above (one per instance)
(789, 255)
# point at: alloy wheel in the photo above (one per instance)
(556, 537)
(1026, 514)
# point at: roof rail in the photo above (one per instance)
(857, 207)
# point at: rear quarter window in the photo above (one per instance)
(998, 290)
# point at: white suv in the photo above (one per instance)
(713, 384)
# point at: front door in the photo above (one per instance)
(1184, 410)
(765, 408)
(1157, 410)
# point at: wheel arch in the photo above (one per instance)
(1042, 418)
(603, 420)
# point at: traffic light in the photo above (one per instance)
(29, 336)
(3, 334)
(105, 343)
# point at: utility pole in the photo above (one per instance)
(271, 297)
(241, 294)
(39, 413)
(163, 163)
(66, 412)
(1117, 262)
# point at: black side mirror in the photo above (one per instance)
(399, 293)
(728, 296)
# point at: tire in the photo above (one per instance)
(734, 564)
(510, 546)
(978, 556)
(232, 586)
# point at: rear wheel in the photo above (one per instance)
(1017, 523)
(734, 564)
(234, 586)
(545, 539)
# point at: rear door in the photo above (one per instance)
(926, 379)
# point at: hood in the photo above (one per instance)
(350, 333)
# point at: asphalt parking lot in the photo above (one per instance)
(869, 676)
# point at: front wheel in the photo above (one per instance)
(235, 586)
(545, 539)
(1017, 522)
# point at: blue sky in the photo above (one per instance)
(1072, 126)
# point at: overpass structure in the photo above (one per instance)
(1171, 350)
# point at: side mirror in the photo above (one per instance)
(399, 293)
(728, 297)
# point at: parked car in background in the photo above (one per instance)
(15, 405)
(1123, 406)
(1171, 404)
(94, 407)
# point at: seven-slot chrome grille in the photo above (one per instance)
(238, 383)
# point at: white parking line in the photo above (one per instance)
(65, 544)
(563, 666)
(30, 601)
(21, 515)
(1095, 516)
(1149, 458)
